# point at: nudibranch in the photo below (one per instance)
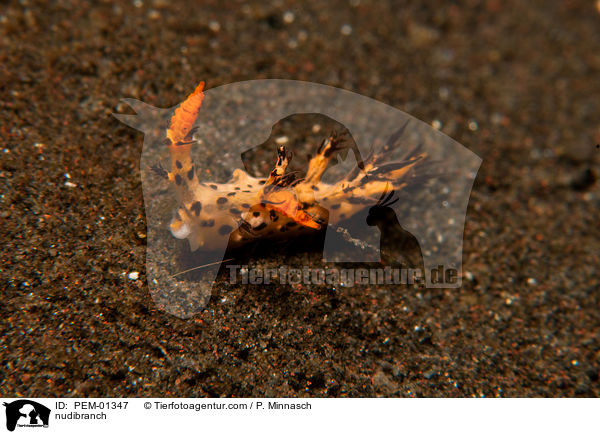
(247, 208)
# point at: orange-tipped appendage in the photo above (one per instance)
(286, 203)
(185, 115)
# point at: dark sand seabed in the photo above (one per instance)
(516, 82)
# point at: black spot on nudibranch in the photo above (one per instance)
(335, 206)
(225, 229)
(213, 186)
(273, 215)
(207, 223)
(178, 164)
(246, 205)
(178, 180)
(196, 208)
(222, 200)
(190, 174)
(235, 211)
(231, 194)
(315, 188)
(260, 227)
(256, 213)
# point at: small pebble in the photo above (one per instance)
(288, 17)
(133, 275)
(346, 29)
(282, 140)
(532, 281)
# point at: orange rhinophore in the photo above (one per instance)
(185, 116)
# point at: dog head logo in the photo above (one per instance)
(225, 169)
(26, 413)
